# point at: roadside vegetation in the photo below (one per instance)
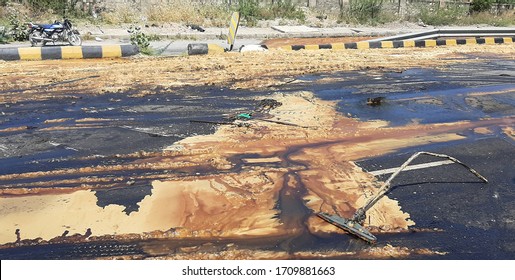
(14, 14)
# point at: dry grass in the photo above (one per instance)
(504, 19)
(122, 14)
(175, 11)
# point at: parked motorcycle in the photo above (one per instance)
(55, 32)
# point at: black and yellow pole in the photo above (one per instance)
(233, 29)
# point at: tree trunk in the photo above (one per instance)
(341, 4)
(402, 8)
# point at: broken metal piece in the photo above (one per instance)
(348, 225)
(355, 224)
(360, 216)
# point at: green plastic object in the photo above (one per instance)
(244, 116)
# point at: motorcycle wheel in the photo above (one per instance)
(74, 39)
(35, 34)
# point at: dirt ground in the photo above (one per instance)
(308, 165)
(237, 71)
(275, 43)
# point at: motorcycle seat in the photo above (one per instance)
(45, 26)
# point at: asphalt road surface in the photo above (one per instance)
(472, 220)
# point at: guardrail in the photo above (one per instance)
(454, 32)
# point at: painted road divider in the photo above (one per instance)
(68, 52)
(403, 44)
(195, 49)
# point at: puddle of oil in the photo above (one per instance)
(293, 211)
(128, 196)
(419, 95)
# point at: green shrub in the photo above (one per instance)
(286, 9)
(450, 15)
(504, 19)
(365, 10)
(19, 30)
(478, 6)
(249, 10)
(4, 37)
(3, 3)
(58, 6)
(141, 40)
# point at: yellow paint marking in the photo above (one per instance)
(470, 41)
(71, 52)
(489, 41)
(339, 46)
(508, 40)
(112, 51)
(214, 48)
(363, 45)
(30, 53)
(409, 44)
(430, 43)
(451, 42)
(387, 44)
(311, 47)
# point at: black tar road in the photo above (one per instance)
(475, 220)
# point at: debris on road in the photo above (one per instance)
(266, 105)
(253, 48)
(196, 27)
(354, 225)
(376, 101)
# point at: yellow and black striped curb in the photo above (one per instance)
(402, 44)
(67, 52)
(195, 49)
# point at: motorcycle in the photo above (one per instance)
(57, 31)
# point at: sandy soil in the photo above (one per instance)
(308, 165)
(249, 70)
(275, 43)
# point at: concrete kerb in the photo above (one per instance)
(201, 48)
(403, 44)
(68, 52)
